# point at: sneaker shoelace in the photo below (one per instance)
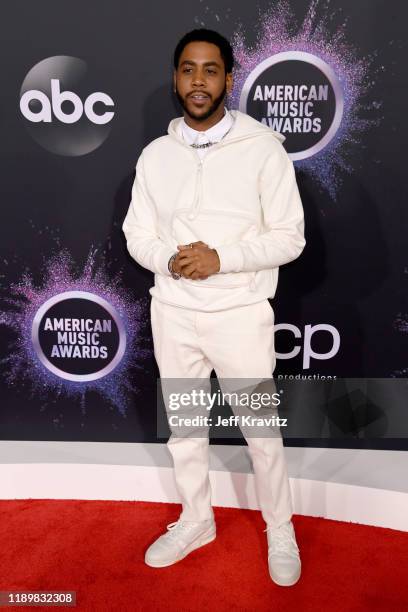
(178, 528)
(283, 542)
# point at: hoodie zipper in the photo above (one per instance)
(198, 192)
(195, 207)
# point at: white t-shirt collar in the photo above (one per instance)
(213, 134)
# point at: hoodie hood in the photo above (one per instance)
(244, 127)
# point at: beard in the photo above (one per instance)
(214, 106)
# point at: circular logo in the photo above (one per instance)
(299, 95)
(78, 336)
(63, 111)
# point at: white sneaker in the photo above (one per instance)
(182, 538)
(283, 554)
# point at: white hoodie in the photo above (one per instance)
(242, 199)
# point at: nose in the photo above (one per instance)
(198, 78)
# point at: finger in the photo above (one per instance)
(187, 246)
(187, 271)
(186, 256)
(195, 276)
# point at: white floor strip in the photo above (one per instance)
(337, 501)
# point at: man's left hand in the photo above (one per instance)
(198, 262)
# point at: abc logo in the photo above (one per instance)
(57, 98)
(64, 110)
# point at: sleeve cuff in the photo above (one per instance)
(163, 261)
(230, 257)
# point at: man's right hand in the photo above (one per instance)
(176, 262)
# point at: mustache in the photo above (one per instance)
(215, 102)
(203, 93)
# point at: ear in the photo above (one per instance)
(229, 82)
(174, 80)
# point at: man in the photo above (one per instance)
(215, 211)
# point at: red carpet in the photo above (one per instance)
(96, 548)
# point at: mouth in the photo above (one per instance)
(198, 98)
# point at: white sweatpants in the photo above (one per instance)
(236, 343)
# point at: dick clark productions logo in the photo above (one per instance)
(63, 111)
(78, 336)
(300, 96)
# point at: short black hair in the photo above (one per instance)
(210, 36)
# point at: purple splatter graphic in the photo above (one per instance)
(275, 35)
(401, 325)
(22, 363)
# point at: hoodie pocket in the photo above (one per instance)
(216, 228)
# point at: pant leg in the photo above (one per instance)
(179, 358)
(241, 345)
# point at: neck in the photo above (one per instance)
(201, 126)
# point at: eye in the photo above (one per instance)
(186, 69)
(212, 71)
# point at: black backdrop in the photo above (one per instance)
(352, 274)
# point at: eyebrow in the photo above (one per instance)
(214, 63)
